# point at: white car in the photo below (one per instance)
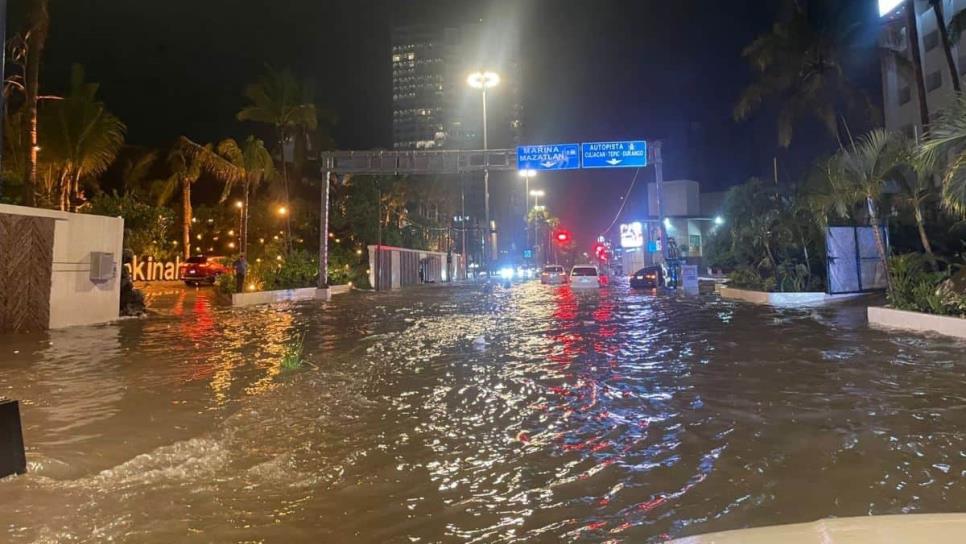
(587, 275)
(553, 274)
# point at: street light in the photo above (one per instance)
(282, 210)
(526, 174)
(484, 80)
(536, 194)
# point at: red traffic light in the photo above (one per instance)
(563, 236)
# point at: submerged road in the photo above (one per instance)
(442, 414)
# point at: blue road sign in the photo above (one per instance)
(548, 157)
(629, 154)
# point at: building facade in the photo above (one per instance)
(899, 94)
(434, 107)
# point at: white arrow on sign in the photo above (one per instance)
(614, 162)
(548, 164)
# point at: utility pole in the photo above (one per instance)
(659, 185)
(465, 256)
(487, 251)
(324, 234)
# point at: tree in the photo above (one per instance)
(937, 11)
(38, 24)
(915, 179)
(79, 139)
(800, 65)
(944, 149)
(866, 165)
(912, 28)
(250, 164)
(280, 100)
(186, 168)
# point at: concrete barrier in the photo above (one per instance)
(917, 321)
(782, 299)
(287, 295)
(906, 528)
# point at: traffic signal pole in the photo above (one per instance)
(659, 186)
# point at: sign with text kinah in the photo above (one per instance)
(148, 269)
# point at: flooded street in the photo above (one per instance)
(442, 414)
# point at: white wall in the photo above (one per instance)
(74, 298)
(681, 197)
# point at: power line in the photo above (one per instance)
(623, 203)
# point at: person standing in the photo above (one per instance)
(241, 269)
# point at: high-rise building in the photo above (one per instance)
(899, 95)
(433, 106)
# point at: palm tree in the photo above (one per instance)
(38, 24)
(249, 163)
(800, 65)
(280, 100)
(945, 144)
(80, 139)
(186, 167)
(937, 11)
(915, 179)
(864, 167)
(912, 28)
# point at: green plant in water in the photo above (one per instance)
(292, 356)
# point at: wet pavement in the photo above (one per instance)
(441, 414)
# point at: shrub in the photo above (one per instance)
(915, 287)
(746, 277)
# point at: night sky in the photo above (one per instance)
(600, 69)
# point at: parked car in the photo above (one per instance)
(587, 276)
(202, 269)
(649, 277)
(553, 275)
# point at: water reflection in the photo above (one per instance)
(443, 415)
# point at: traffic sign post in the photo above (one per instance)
(626, 154)
(548, 157)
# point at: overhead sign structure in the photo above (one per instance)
(632, 235)
(548, 157)
(627, 154)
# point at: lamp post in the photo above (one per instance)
(526, 174)
(241, 224)
(483, 80)
(536, 194)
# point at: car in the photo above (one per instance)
(587, 275)
(649, 277)
(553, 274)
(202, 269)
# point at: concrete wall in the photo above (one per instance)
(74, 298)
(916, 321)
(781, 299)
(681, 197)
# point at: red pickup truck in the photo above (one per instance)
(201, 269)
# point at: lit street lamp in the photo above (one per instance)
(526, 174)
(484, 80)
(536, 194)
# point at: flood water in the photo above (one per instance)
(442, 414)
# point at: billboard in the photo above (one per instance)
(632, 235)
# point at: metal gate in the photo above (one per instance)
(26, 261)
(853, 260)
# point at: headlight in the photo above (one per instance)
(506, 273)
